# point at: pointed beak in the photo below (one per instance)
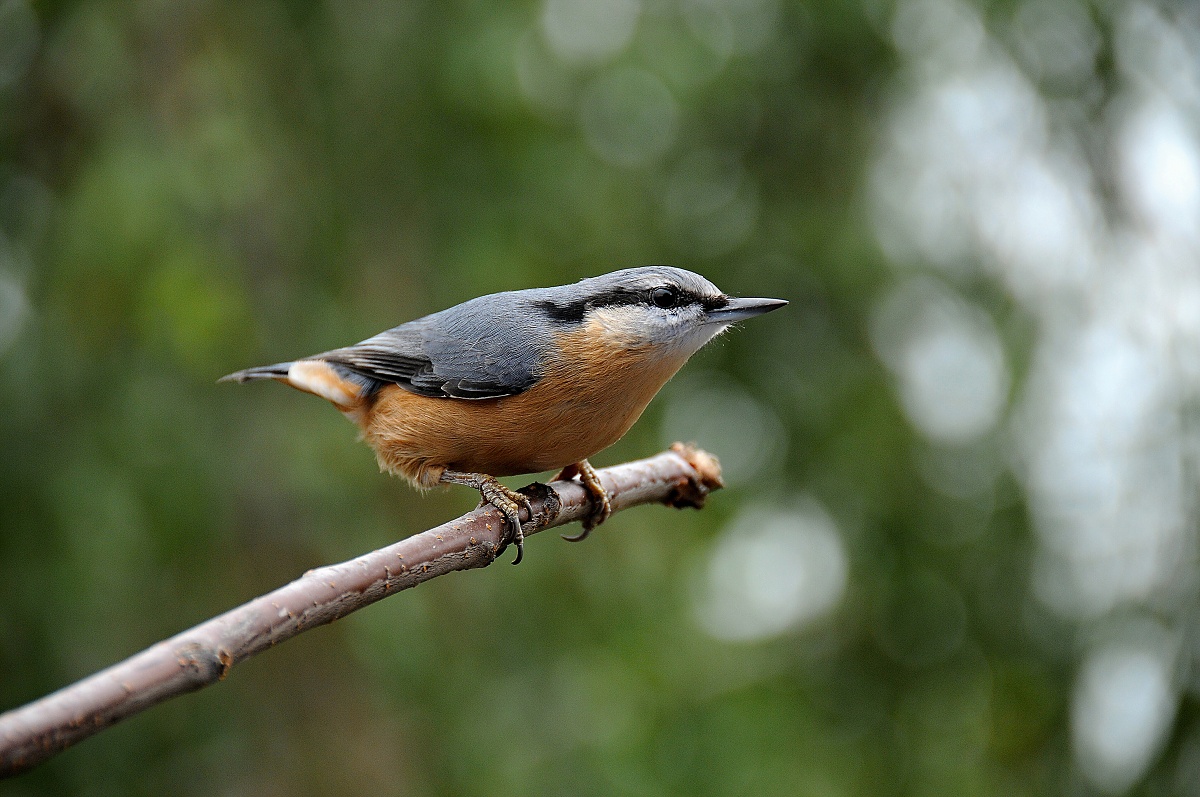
(739, 309)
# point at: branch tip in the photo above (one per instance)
(706, 477)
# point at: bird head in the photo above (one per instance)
(658, 307)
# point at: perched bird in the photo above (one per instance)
(520, 381)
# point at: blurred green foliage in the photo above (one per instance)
(187, 189)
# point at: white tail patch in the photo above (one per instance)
(318, 378)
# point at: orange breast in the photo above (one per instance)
(588, 397)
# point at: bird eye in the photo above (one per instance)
(664, 298)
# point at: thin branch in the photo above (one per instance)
(205, 654)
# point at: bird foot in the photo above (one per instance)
(508, 502)
(601, 506)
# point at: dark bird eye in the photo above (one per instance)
(664, 298)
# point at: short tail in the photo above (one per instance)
(279, 371)
(344, 388)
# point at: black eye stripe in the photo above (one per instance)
(574, 312)
(568, 313)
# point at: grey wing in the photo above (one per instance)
(476, 350)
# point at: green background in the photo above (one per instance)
(957, 554)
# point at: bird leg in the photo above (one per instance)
(601, 507)
(509, 502)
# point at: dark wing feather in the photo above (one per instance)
(379, 363)
(480, 349)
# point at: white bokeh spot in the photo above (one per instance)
(771, 570)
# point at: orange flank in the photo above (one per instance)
(593, 389)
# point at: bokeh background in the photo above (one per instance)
(958, 550)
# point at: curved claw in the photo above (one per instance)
(601, 507)
(514, 519)
(508, 502)
(577, 537)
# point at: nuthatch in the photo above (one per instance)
(520, 381)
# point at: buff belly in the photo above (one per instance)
(549, 426)
(589, 396)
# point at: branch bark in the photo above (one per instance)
(205, 654)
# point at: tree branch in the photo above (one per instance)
(204, 654)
